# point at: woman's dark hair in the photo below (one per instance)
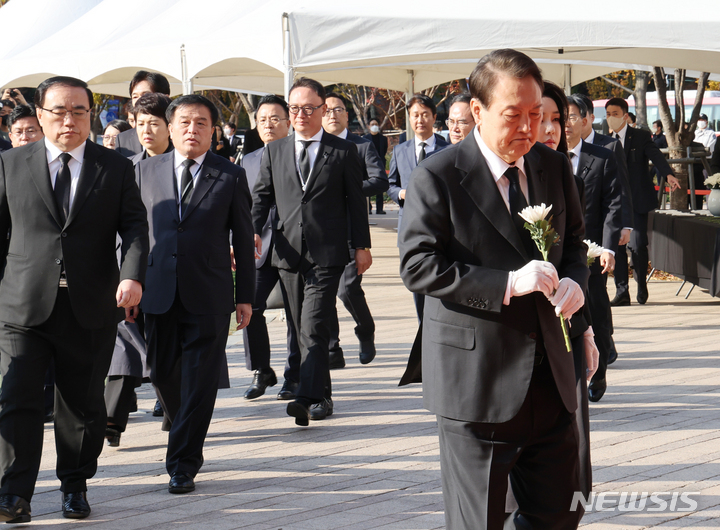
(554, 92)
(120, 125)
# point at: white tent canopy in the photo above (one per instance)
(408, 46)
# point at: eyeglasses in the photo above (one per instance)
(30, 133)
(61, 113)
(272, 119)
(336, 110)
(574, 118)
(108, 139)
(307, 109)
(460, 123)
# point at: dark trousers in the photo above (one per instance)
(186, 353)
(120, 399)
(312, 291)
(82, 358)
(638, 247)
(352, 296)
(601, 312)
(538, 449)
(256, 340)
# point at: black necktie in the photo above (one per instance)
(422, 154)
(186, 185)
(305, 166)
(517, 204)
(62, 187)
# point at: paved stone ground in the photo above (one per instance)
(374, 463)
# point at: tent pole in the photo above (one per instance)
(568, 79)
(408, 95)
(186, 83)
(289, 70)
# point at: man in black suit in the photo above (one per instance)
(495, 368)
(143, 82)
(351, 293)
(460, 121)
(65, 198)
(194, 199)
(315, 180)
(273, 122)
(407, 155)
(381, 146)
(597, 168)
(639, 150)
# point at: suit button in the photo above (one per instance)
(470, 301)
(300, 223)
(483, 304)
(174, 256)
(181, 229)
(64, 234)
(303, 202)
(533, 336)
(58, 261)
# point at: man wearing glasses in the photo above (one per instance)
(460, 121)
(315, 180)
(351, 293)
(66, 198)
(24, 126)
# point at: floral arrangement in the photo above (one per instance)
(713, 181)
(594, 251)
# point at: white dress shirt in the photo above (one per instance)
(623, 133)
(429, 146)
(312, 154)
(591, 137)
(575, 160)
(53, 157)
(194, 171)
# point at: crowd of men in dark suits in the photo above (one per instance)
(151, 233)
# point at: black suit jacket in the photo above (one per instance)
(375, 180)
(331, 207)
(621, 162)
(128, 144)
(106, 203)
(191, 256)
(639, 150)
(457, 246)
(603, 195)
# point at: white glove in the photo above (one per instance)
(535, 276)
(592, 355)
(568, 298)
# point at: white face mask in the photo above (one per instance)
(374, 129)
(615, 123)
(702, 124)
(228, 132)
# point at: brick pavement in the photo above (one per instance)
(374, 463)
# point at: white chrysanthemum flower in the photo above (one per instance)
(594, 250)
(533, 214)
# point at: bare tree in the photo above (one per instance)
(678, 137)
(232, 104)
(362, 98)
(639, 93)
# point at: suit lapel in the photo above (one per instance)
(537, 182)
(628, 140)
(39, 173)
(324, 152)
(165, 181)
(209, 173)
(287, 160)
(585, 163)
(480, 185)
(89, 173)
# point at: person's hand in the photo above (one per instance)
(535, 276)
(258, 247)
(129, 293)
(243, 312)
(131, 313)
(625, 236)
(673, 182)
(607, 261)
(401, 195)
(592, 355)
(568, 298)
(363, 260)
(15, 95)
(232, 259)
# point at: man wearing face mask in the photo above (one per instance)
(381, 146)
(704, 135)
(639, 150)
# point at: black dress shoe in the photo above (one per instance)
(642, 295)
(300, 411)
(381, 212)
(620, 300)
(181, 483)
(596, 390)
(367, 351)
(112, 436)
(320, 411)
(75, 505)
(337, 360)
(14, 509)
(158, 410)
(288, 391)
(613, 356)
(262, 379)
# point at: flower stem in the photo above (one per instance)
(563, 324)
